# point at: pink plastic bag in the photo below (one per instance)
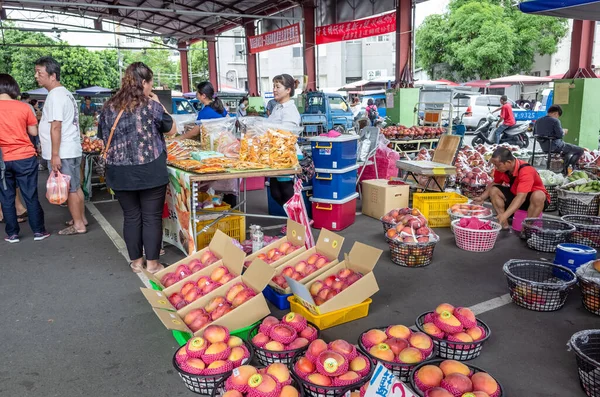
(57, 187)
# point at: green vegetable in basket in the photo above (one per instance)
(590, 187)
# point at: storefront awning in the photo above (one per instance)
(573, 9)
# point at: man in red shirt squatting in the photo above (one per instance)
(517, 185)
(506, 116)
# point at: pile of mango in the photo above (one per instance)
(589, 187)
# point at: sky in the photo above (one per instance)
(421, 12)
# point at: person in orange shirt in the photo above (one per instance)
(517, 185)
(19, 157)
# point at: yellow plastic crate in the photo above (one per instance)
(434, 206)
(232, 225)
(334, 318)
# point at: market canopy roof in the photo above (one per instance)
(38, 91)
(484, 84)
(93, 91)
(520, 79)
(573, 9)
(185, 21)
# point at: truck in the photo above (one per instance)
(326, 111)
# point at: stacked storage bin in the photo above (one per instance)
(334, 184)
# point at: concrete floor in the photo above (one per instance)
(74, 321)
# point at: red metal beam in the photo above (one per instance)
(213, 71)
(403, 70)
(251, 60)
(185, 74)
(582, 48)
(308, 12)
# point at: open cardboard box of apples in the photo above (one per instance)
(219, 245)
(199, 284)
(310, 263)
(345, 284)
(221, 306)
(281, 251)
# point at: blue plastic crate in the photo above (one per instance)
(334, 153)
(332, 184)
(280, 301)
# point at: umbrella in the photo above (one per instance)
(296, 211)
(573, 9)
(520, 79)
(38, 91)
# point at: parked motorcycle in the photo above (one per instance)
(515, 135)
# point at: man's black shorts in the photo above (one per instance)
(510, 197)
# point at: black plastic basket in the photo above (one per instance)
(312, 390)
(219, 390)
(205, 384)
(587, 229)
(545, 234)
(573, 203)
(472, 192)
(402, 371)
(460, 351)
(586, 345)
(551, 189)
(437, 362)
(590, 295)
(266, 357)
(411, 254)
(539, 286)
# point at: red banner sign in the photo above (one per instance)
(275, 39)
(354, 30)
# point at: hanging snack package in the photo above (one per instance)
(282, 149)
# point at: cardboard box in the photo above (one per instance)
(256, 277)
(379, 198)
(295, 234)
(233, 260)
(219, 245)
(328, 244)
(362, 259)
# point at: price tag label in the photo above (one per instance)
(439, 171)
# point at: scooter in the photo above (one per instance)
(515, 135)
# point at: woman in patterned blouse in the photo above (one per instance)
(136, 162)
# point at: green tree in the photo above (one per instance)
(158, 59)
(484, 39)
(198, 62)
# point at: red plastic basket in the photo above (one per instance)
(475, 240)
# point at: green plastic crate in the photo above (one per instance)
(243, 333)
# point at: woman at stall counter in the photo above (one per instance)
(212, 108)
(284, 114)
(242, 107)
(136, 162)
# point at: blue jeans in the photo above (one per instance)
(499, 131)
(24, 175)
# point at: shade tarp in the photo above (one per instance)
(573, 9)
(484, 84)
(38, 91)
(520, 79)
(93, 91)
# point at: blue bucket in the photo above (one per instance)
(573, 255)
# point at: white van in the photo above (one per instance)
(478, 108)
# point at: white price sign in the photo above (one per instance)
(385, 384)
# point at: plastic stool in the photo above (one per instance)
(573, 255)
(518, 218)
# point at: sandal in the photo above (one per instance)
(135, 269)
(70, 231)
(20, 219)
(71, 222)
(158, 269)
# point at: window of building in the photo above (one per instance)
(536, 74)
(352, 79)
(297, 52)
(378, 39)
(547, 73)
(129, 39)
(240, 45)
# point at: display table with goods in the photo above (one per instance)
(263, 151)
(92, 148)
(429, 169)
(412, 139)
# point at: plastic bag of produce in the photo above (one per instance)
(217, 133)
(57, 187)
